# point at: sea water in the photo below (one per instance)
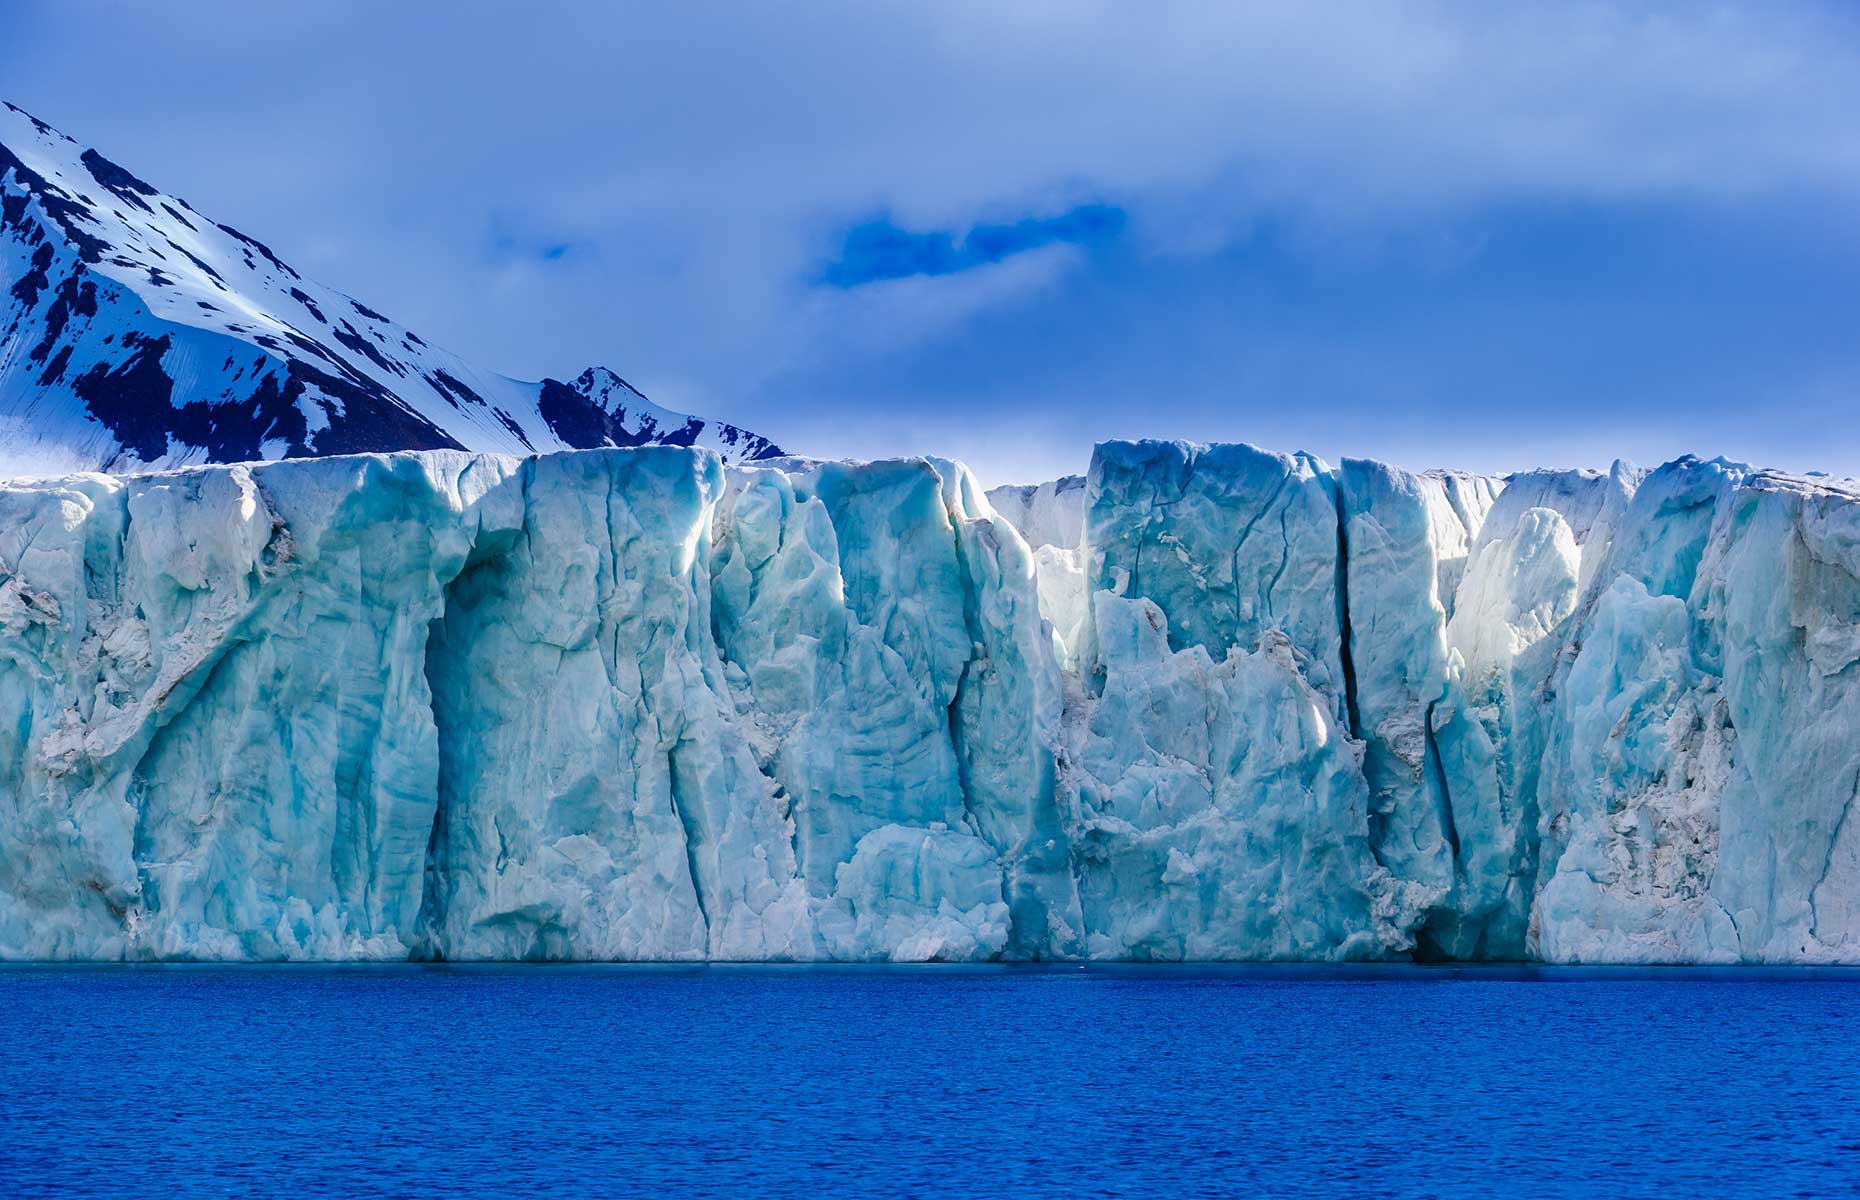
(928, 1081)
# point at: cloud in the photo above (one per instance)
(709, 174)
(879, 249)
(885, 312)
(514, 237)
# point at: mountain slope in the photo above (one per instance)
(136, 332)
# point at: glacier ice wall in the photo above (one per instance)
(1209, 702)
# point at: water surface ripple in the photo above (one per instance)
(939, 1081)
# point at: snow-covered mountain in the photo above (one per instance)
(134, 331)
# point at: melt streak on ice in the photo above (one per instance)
(635, 704)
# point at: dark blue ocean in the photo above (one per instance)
(936, 1081)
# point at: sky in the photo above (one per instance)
(1468, 235)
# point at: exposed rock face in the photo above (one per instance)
(135, 332)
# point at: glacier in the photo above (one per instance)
(1204, 702)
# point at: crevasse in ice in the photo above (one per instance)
(1209, 702)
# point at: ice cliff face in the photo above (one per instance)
(633, 704)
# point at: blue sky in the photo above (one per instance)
(1454, 234)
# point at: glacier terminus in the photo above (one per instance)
(1204, 702)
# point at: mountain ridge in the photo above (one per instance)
(135, 332)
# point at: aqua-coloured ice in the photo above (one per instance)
(637, 705)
